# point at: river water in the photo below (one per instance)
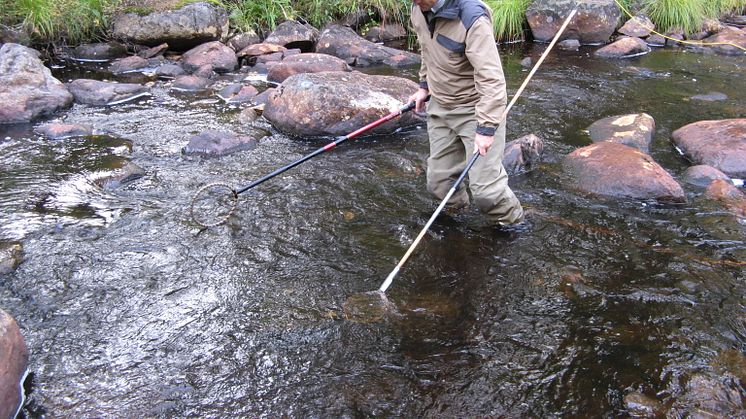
(130, 311)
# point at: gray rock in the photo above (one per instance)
(153, 52)
(101, 51)
(218, 143)
(655, 40)
(634, 130)
(94, 92)
(599, 20)
(169, 71)
(639, 26)
(305, 63)
(221, 57)
(344, 43)
(710, 97)
(623, 48)
(118, 177)
(58, 131)
(569, 45)
(11, 255)
(125, 65)
(292, 34)
(720, 144)
(703, 175)
(243, 40)
(191, 83)
(27, 88)
(182, 29)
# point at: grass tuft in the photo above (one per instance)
(509, 19)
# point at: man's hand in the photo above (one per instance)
(482, 143)
(419, 98)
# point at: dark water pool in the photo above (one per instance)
(129, 311)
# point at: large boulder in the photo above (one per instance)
(616, 170)
(634, 130)
(594, 24)
(305, 63)
(94, 92)
(725, 41)
(337, 103)
(182, 29)
(343, 42)
(27, 88)
(13, 365)
(626, 47)
(720, 144)
(291, 34)
(221, 57)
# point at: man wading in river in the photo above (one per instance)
(462, 73)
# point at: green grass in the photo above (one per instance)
(686, 15)
(67, 21)
(509, 19)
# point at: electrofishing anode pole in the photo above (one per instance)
(471, 161)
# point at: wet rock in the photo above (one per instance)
(125, 65)
(569, 45)
(641, 406)
(305, 63)
(153, 52)
(710, 397)
(118, 177)
(205, 72)
(598, 22)
(720, 42)
(13, 365)
(94, 92)
(616, 170)
(655, 40)
(702, 175)
(334, 103)
(169, 71)
(27, 88)
(344, 43)
(255, 50)
(191, 83)
(672, 37)
(623, 48)
(720, 144)
(292, 34)
(730, 196)
(634, 130)
(58, 131)
(101, 51)
(11, 255)
(182, 29)
(527, 62)
(710, 97)
(218, 143)
(388, 32)
(522, 154)
(221, 57)
(639, 26)
(263, 98)
(243, 40)
(237, 93)
(273, 58)
(248, 116)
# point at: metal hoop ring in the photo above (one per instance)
(201, 191)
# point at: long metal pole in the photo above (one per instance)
(470, 163)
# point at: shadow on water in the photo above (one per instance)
(129, 310)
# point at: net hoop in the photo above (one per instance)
(202, 191)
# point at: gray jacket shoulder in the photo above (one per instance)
(470, 11)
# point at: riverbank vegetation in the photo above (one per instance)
(74, 21)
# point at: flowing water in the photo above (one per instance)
(130, 311)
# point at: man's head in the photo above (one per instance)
(425, 5)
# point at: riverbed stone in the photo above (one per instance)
(129, 172)
(634, 130)
(623, 48)
(720, 42)
(182, 29)
(11, 255)
(238, 93)
(710, 97)
(702, 175)
(523, 154)
(149, 53)
(639, 405)
(343, 42)
(256, 50)
(729, 195)
(242, 40)
(214, 143)
(616, 170)
(292, 34)
(337, 103)
(594, 24)
(707, 396)
(95, 92)
(14, 358)
(717, 143)
(305, 63)
(169, 71)
(655, 40)
(220, 56)
(639, 26)
(125, 65)
(58, 130)
(27, 88)
(387, 32)
(191, 83)
(99, 51)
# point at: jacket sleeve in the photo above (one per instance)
(489, 80)
(423, 66)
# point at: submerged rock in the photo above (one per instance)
(703, 175)
(58, 131)
(27, 88)
(522, 154)
(634, 130)
(13, 365)
(118, 177)
(720, 144)
(725, 192)
(103, 51)
(182, 29)
(125, 65)
(594, 23)
(641, 406)
(191, 83)
(343, 42)
(623, 48)
(616, 170)
(11, 255)
(305, 63)
(94, 92)
(218, 143)
(336, 103)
